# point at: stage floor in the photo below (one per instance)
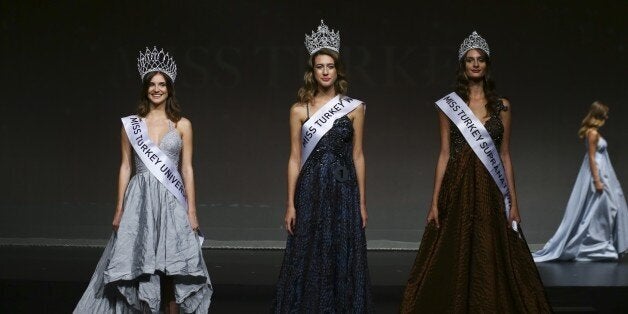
(51, 279)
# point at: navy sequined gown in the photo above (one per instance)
(324, 267)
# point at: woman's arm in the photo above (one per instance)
(358, 158)
(297, 116)
(441, 165)
(593, 137)
(123, 178)
(184, 126)
(504, 153)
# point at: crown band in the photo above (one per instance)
(322, 38)
(474, 41)
(156, 60)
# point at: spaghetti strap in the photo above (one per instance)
(307, 107)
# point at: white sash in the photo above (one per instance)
(153, 158)
(322, 121)
(480, 141)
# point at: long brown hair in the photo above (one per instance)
(462, 83)
(595, 118)
(310, 86)
(173, 111)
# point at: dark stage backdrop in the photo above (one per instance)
(68, 73)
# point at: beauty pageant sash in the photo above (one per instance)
(480, 141)
(153, 158)
(322, 121)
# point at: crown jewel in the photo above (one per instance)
(156, 60)
(474, 41)
(323, 38)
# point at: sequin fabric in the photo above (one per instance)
(325, 267)
(170, 144)
(473, 263)
(493, 125)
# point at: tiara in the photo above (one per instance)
(474, 41)
(156, 60)
(323, 38)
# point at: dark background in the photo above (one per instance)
(68, 73)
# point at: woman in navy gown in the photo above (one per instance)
(595, 225)
(324, 267)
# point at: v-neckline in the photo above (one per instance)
(158, 144)
(483, 122)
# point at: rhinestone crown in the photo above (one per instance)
(323, 38)
(474, 41)
(156, 60)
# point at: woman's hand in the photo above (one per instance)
(514, 216)
(116, 220)
(599, 186)
(193, 220)
(290, 219)
(432, 215)
(365, 216)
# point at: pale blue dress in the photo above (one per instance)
(595, 225)
(154, 238)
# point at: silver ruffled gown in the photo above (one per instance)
(154, 238)
(595, 225)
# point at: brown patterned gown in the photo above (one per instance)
(474, 263)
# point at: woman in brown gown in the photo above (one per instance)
(470, 259)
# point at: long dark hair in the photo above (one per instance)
(310, 86)
(462, 83)
(173, 111)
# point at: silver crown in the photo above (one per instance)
(474, 41)
(156, 60)
(323, 38)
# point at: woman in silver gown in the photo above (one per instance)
(153, 261)
(595, 225)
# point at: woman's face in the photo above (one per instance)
(325, 70)
(475, 65)
(157, 89)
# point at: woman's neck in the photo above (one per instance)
(476, 90)
(323, 95)
(157, 111)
